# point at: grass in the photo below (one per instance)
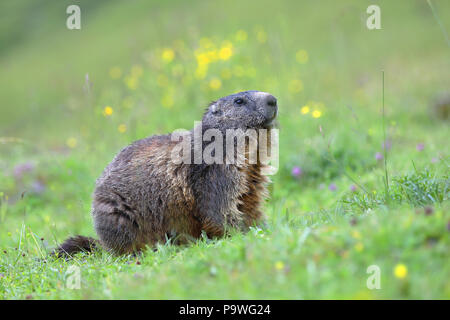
(146, 75)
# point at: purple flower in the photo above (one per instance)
(22, 168)
(38, 187)
(296, 171)
(378, 156)
(387, 144)
(352, 188)
(434, 160)
(332, 187)
(420, 146)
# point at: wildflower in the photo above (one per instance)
(279, 265)
(400, 271)
(378, 156)
(387, 145)
(332, 187)
(420, 147)
(131, 82)
(316, 114)
(359, 247)
(71, 142)
(122, 128)
(295, 86)
(241, 35)
(261, 36)
(301, 56)
(356, 234)
(203, 59)
(22, 168)
(115, 72)
(305, 109)
(107, 111)
(212, 55)
(296, 171)
(353, 188)
(38, 187)
(215, 84)
(167, 101)
(168, 55)
(200, 72)
(434, 160)
(225, 53)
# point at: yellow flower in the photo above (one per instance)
(225, 53)
(203, 59)
(261, 36)
(131, 82)
(316, 114)
(168, 55)
(279, 265)
(301, 56)
(400, 271)
(115, 72)
(72, 142)
(359, 247)
(356, 234)
(241, 35)
(122, 128)
(167, 101)
(215, 84)
(305, 109)
(200, 72)
(295, 86)
(107, 111)
(212, 55)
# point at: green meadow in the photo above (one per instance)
(361, 192)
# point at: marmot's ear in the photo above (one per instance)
(214, 108)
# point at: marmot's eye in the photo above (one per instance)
(239, 101)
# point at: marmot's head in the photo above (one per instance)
(248, 109)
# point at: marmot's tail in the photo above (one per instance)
(76, 244)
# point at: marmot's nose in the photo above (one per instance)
(271, 101)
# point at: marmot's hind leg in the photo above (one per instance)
(117, 230)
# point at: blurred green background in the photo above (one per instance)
(70, 99)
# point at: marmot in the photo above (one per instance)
(143, 197)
